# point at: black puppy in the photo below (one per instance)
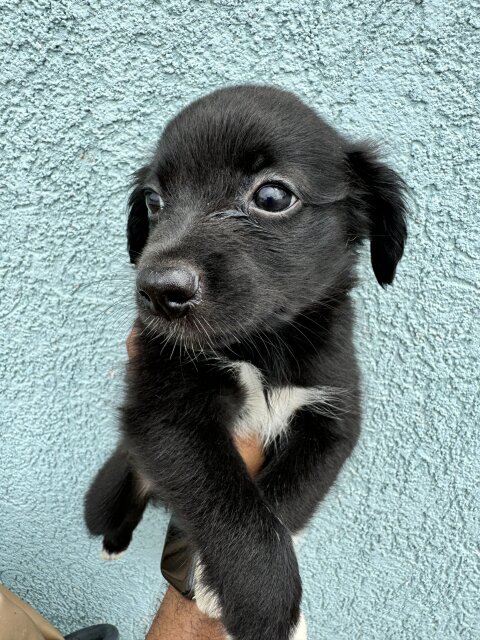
(244, 228)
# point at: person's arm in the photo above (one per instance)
(179, 617)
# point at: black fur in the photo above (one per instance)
(276, 294)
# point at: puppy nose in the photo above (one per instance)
(169, 292)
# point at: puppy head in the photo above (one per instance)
(248, 215)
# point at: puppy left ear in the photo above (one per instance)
(137, 225)
(378, 195)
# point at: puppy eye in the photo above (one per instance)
(273, 198)
(154, 202)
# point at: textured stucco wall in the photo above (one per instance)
(85, 88)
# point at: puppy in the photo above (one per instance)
(244, 228)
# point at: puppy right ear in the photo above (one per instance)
(137, 225)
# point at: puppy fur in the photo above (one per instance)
(267, 349)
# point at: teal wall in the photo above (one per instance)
(86, 87)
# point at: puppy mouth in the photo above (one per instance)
(189, 330)
(198, 329)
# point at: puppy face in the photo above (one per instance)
(249, 214)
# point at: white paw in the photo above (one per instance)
(300, 631)
(206, 599)
(106, 555)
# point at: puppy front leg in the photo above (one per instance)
(115, 502)
(304, 466)
(247, 555)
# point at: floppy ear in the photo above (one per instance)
(137, 225)
(378, 195)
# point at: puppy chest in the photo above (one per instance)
(267, 412)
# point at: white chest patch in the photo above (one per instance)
(267, 414)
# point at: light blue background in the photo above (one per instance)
(86, 88)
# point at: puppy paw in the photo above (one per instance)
(107, 555)
(300, 631)
(205, 597)
(112, 551)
